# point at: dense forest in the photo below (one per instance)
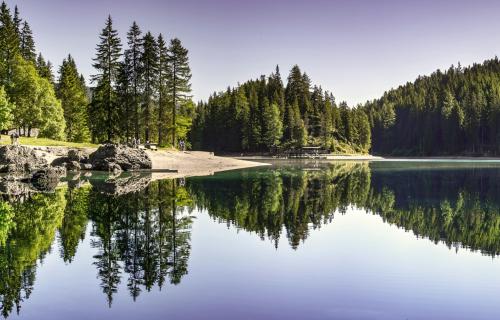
(264, 114)
(446, 113)
(455, 112)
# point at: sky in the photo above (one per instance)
(356, 49)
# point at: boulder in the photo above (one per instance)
(74, 155)
(113, 157)
(20, 159)
(73, 166)
(85, 166)
(48, 178)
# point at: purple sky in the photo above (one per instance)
(356, 49)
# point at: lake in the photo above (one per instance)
(295, 240)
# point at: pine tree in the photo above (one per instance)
(44, 68)
(107, 65)
(162, 86)
(9, 45)
(243, 117)
(133, 56)
(27, 46)
(255, 137)
(17, 21)
(125, 100)
(271, 125)
(179, 77)
(74, 101)
(149, 61)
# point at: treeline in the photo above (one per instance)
(264, 114)
(446, 113)
(143, 92)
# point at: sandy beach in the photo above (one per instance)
(194, 163)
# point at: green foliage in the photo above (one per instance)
(455, 112)
(6, 109)
(72, 93)
(179, 81)
(33, 227)
(262, 114)
(6, 221)
(35, 101)
(72, 229)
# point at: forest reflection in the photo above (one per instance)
(141, 229)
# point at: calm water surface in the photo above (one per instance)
(300, 240)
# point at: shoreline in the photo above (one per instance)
(373, 158)
(194, 163)
(169, 163)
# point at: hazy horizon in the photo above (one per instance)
(356, 49)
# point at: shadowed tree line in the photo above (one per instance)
(450, 112)
(264, 114)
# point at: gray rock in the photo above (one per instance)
(85, 166)
(74, 155)
(20, 159)
(113, 157)
(60, 162)
(73, 166)
(47, 179)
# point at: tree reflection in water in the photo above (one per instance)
(141, 230)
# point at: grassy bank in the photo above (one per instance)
(30, 141)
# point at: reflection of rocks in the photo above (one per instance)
(112, 157)
(122, 184)
(15, 188)
(47, 179)
(19, 159)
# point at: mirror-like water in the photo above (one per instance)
(296, 240)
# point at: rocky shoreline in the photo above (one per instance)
(26, 169)
(26, 165)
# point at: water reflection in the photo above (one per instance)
(141, 230)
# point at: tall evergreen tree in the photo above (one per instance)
(149, 61)
(125, 100)
(179, 77)
(27, 46)
(44, 68)
(107, 66)
(17, 21)
(162, 86)
(133, 56)
(9, 45)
